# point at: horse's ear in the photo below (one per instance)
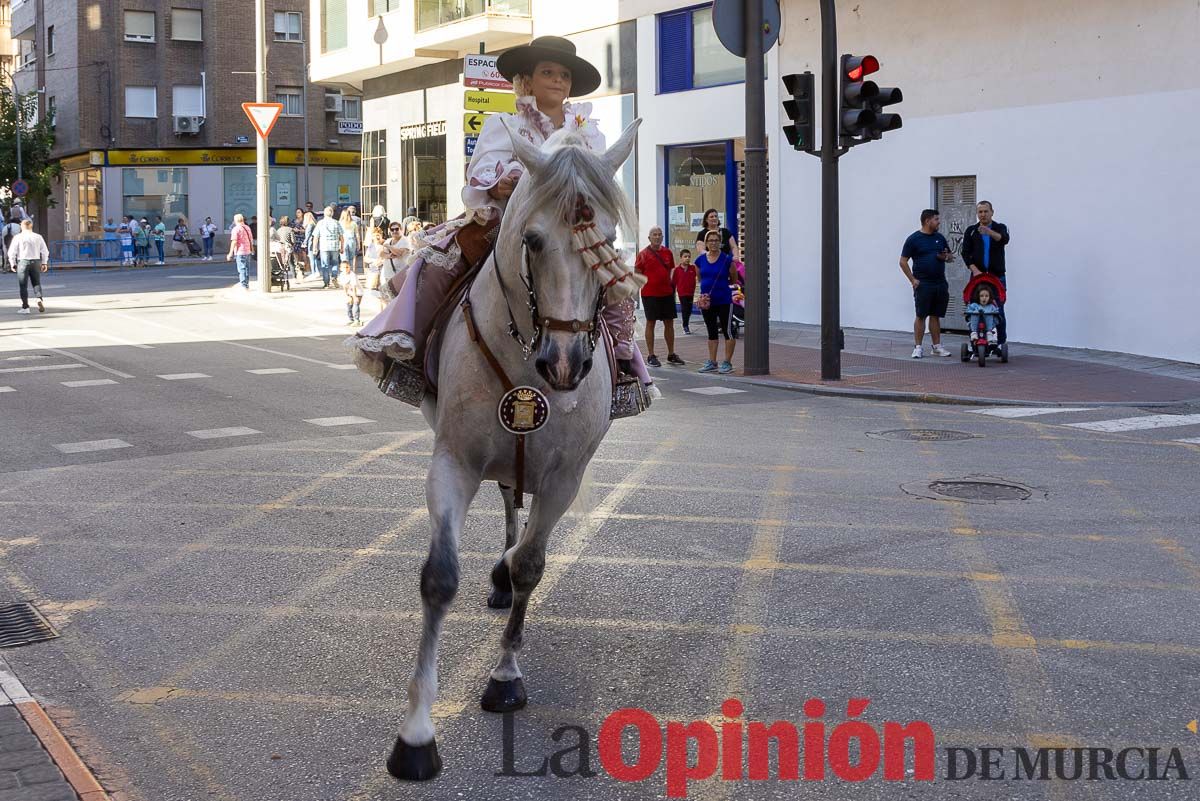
(615, 156)
(528, 154)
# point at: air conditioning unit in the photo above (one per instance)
(188, 125)
(333, 103)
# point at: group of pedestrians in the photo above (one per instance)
(714, 272)
(923, 261)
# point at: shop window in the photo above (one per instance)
(141, 102)
(341, 186)
(240, 192)
(689, 54)
(292, 100)
(699, 177)
(289, 26)
(423, 164)
(186, 25)
(151, 191)
(374, 169)
(139, 26)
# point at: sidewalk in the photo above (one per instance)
(878, 364)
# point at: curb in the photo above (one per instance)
(74, 770)
(939, 398)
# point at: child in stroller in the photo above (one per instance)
(737, 311)
(982, 294)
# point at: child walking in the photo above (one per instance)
(348, 281)
(684, 280)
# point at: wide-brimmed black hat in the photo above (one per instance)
(585, 78)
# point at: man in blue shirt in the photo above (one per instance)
(929, 251)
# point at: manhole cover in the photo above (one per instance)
(21, 624)
(923, 435)
(980, 490)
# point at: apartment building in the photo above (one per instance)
(146, 100)
(7, 60)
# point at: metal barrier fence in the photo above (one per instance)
(97, 251)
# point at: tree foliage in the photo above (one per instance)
(37, 140)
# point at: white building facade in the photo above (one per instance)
(1076, 119)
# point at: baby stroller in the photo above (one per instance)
(978, 346)
(737, 311)
(192, 247)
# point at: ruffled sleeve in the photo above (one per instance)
(492, 161)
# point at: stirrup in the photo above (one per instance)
(403, 381)
(629, 398)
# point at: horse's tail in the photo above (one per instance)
(583, 504)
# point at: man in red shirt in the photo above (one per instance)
(658, 295)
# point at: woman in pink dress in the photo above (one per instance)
(544, 74)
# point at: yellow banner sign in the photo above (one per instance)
(490, 101)
(152, 158)
(320, 158)
(473, 123)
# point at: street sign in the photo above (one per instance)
(480, 72)
(729, 18)
(263, 116)
(20, 187)
(240, 139)
(490, 101)
(473, 123)
(469, 143)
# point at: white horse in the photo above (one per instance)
(535, 268)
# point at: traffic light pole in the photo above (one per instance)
(831, 312)
(756, 355)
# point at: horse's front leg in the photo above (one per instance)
(449, 488)
(526, 562)
(501, 594)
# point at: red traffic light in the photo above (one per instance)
(858, 67)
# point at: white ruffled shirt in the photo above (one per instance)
(493, 159)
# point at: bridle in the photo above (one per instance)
(543, 324)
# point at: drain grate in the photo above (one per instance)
(923, 435)
(21, 624)
(980, 491)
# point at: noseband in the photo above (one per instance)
(541, 325)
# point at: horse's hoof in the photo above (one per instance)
(504, 696)
(415, 763)
(498, 599)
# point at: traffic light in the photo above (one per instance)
(801, 110)
(861, 114)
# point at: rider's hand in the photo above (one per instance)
(503, 188)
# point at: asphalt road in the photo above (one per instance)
(236, 585)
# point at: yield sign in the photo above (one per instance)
(263, 116)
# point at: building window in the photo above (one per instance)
(689, 54)
(351, 107)
(383, 7)
(187, 25)
(289, 26)
(50, 40)
(139, 26)
(28, 55)
(333, 25)
(51, 109)
(151, 191)
(292, 100)
(141, 102)
(187, 101)
(374, 169)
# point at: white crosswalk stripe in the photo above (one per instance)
(714, 390)
(272, 371)
(1142, 423)
(7, 389)
(1015, 412)
(92, 445)
(339, 421)
(183, 376)
(1190, 441)
(94, 382)
(221, 433)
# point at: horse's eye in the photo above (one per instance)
(533, 240)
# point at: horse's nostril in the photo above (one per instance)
(587, 368)
(542, 365)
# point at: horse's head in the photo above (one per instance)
(558, 230)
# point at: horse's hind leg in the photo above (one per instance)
(449, 489)
(526, 562)
(501, 594)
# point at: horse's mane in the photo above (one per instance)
(573, 171)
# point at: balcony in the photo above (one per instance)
(460, 25)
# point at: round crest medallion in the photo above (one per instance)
(523, 410)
